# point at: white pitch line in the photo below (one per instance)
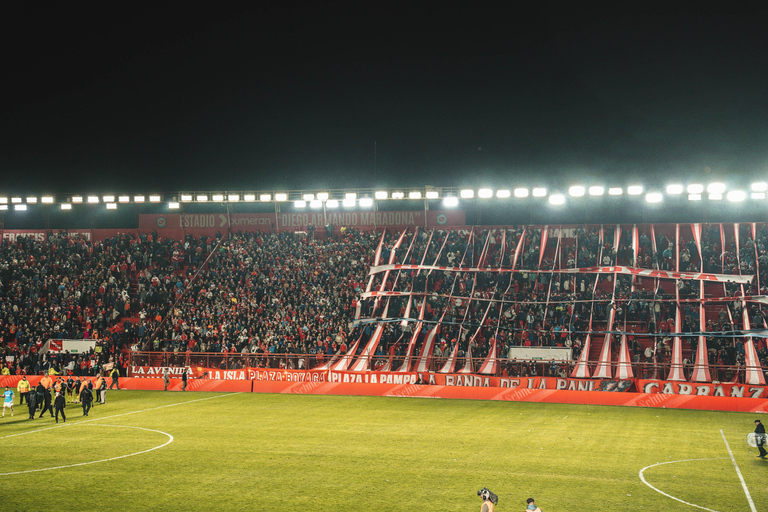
(642, 478)
(169, 441)
(738, 472)
(118, 415)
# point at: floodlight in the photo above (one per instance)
(398, 195)
(414, 194)
(576, 191)
(485, 193)
(539, 192)
(695, 188)
(451, 202)
(186, 197)
(3, 200)
(332, 203)
(316, 203)
(217, 198)
(736, 196)
(16, 200)
(467, 193)
(675, 189)
(694, 197)
(557, 199)
(759, 186)
(615, 191)
(521, 192)
(503, 193)
(77, 199)
(322, 196)
(32, 200)
(20, 207)
(381, 194)
(234, 198)
(300, 203)
(138, 199)
(758, 195)
(350, 195)
(111, 206)
(155, 199)
(124, 199)
(108, 199)
(47, 200)
(715, 196)
(308, 197)
(265, 197)
(202, 198)
(654, 197)
(366, 202)
(173, 205)
(716, 188)
(250, 197)
(66, 206)
(281, 196)
(3, 206)
(432, 194)
(93, 199)
(635, 190)
(348, 203)
(596, 190)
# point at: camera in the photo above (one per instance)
(486, 494)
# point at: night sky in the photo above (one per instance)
(292, 95)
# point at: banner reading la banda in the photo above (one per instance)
(702, 389)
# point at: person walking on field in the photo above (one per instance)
(184, 377)
(32, 404)
(7, 400)
(166, 379)
(86, 397)
(760, 438)
(59, 404)
(115, 374)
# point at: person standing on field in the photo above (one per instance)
(760, 438)
(59, 404)
(115, 374)
(7, 400)
(184, 377)
(86, 397)
(23, 389)
(166, 379)
(32, 404)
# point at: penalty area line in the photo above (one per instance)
(642, 478)
(119, 415)
(738, 472)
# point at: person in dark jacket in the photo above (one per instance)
(86, 397)
(59, 404)
(32, 404)
(760, 438)
(47, 406)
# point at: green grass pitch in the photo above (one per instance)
(221, 451)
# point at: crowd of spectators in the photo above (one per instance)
(259, 294)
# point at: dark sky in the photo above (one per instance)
(303, 95)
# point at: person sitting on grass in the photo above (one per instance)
(532, 506)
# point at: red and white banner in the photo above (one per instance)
(702, 389)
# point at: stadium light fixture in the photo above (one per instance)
(16, 200)
(539, 192)
(186, 198)
(398, 195)
(316, 203)
(433, 194)
(93, 199)
(348, 203)
(173, 205)
(234, 198)
(280, 197)
(250, 198)
(265, 198)
(138, 199)
(308, 197)
(3, 200)
(366, 202)
(557, 199)
(3, 206)
(467, 193)
(716, 188)
(596, 190)
(108, 199)
(20, 207)
(300, 203)
(155, 199)
(503, 193)
(380, 194)
(736, 196)
(111, 206)
(77, 199)
(675, 189)
(66, 206)
(484, 193)
(124, 199)
(759, 186)
(615, 191)
(576, 191)
(201, 198)
(654, 197)
(715, 196)
(323, 196)
(47, 200)
(451, 202)
(32, 200)
(332, 203)
(694, 197)
(521, 192)
(695, 188)
(217, 198)
(414, 194)
(350, 195)
(635, 190)
(757, 195)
